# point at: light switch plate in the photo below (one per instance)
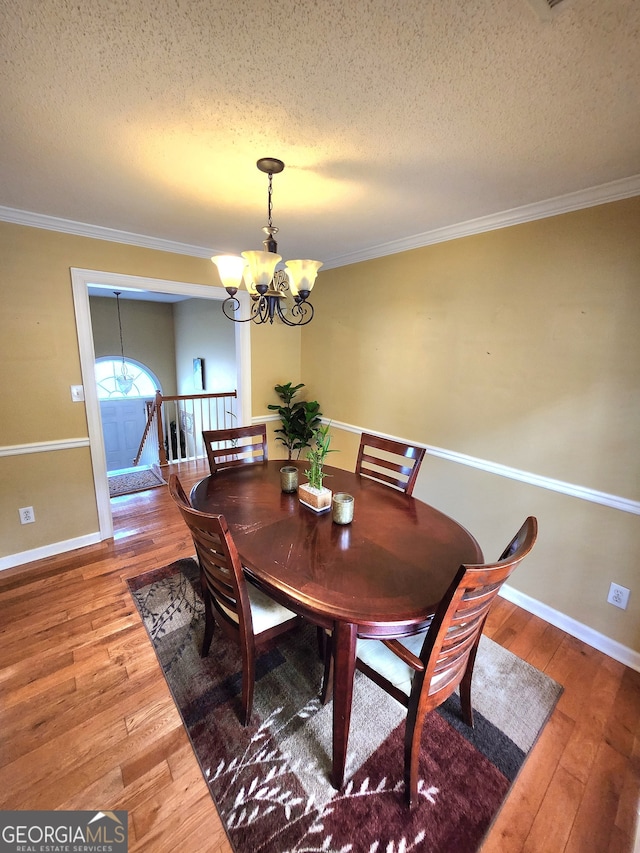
(77, 393)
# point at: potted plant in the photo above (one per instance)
(314, 494)
(299, 419)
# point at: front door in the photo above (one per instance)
(123, 423)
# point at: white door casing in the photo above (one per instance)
(80, 280)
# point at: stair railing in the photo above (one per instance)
(176, 422)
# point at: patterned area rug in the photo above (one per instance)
(134, 481)
(270, 780)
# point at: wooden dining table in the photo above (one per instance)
(382, 575)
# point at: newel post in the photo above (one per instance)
(161, 448)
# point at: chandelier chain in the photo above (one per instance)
(269, 202)
(117, 293)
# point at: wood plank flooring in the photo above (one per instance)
(88, 722)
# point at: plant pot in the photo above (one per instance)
(317, 499)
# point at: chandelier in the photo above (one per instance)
(124, 380)
(267, 286)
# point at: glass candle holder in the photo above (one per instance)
(289, 478)
(342, 508)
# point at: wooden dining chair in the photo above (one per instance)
(227, 448)
(423, 670)
(391, 462)
(241, 610)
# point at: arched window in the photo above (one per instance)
(109, 368)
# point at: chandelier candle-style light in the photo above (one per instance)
(267, 286)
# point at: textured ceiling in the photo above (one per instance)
(394, 117)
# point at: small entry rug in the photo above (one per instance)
(270, 780)
(134, 481)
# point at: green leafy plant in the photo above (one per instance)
(317, 455)
(299, 419)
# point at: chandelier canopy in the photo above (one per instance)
(267, 286)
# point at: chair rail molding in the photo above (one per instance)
(624, 654)
(43, 446)
(571, 489)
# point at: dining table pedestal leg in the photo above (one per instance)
(344, 664)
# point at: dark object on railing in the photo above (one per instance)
(174, 442)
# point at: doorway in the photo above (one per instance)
(81, 279)
(123, 416)
(123, 423)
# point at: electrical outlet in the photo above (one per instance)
(618, 596)
(27, 515)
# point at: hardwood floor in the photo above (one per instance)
(88, 722)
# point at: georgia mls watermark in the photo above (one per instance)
(63, 832)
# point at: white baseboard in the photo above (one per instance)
(615, 650)
(576, 629)
(48, 551)
(593, 638)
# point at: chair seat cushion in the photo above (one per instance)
(376, 655)
(265, 612)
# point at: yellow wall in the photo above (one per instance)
(38, 340)
(519, 347)
(275, 360)
(202, 331)
(147, 333)
(59, 487)
(40, 360)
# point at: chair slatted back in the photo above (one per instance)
(177, 491)
(391, 462)
(230, 602)
(227, 448)
(448, 652)
(454, 634)
(221, 571)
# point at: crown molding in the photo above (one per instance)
(602, 194)
(97, 232)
